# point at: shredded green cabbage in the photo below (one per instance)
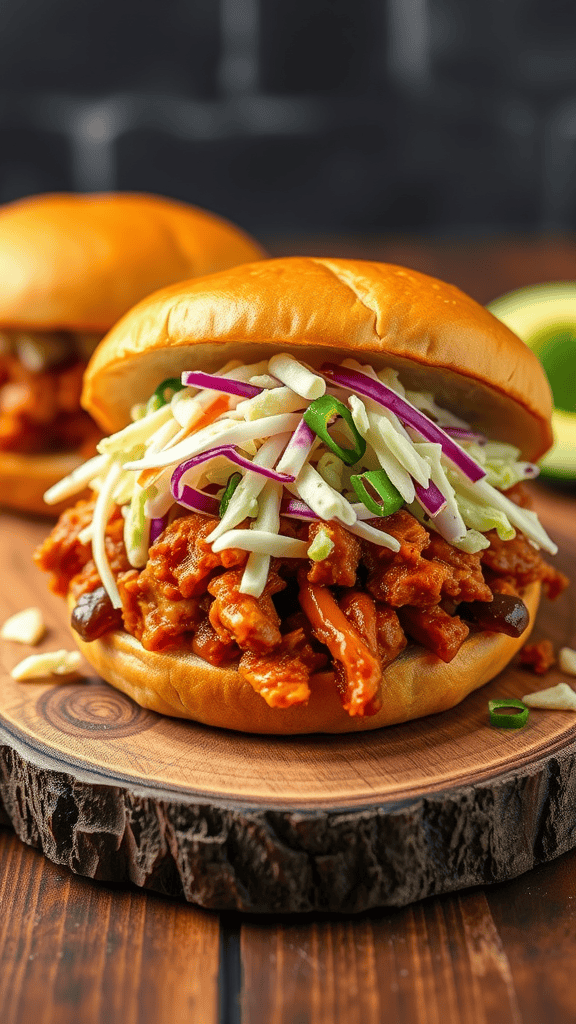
(473, 542)
(331, 468)
(137, 529)
(483, 518)
(320, 547)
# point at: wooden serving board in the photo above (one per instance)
(340, 823)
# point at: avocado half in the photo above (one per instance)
(544, 316)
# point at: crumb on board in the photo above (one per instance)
(567, 661)
(539, 657)
(38, 666)
(25, 627)
(555, 698)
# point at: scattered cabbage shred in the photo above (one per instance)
(134, 468)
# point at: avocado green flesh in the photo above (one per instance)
(560, 461)
(544, 316)
(556, 350)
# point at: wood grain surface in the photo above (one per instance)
(500, 956)
(75, 953)
(234, 821)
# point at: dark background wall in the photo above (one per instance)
(296, 117)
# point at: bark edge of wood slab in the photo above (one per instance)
(260, 857)
(284, 861)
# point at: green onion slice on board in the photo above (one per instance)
(508, 714)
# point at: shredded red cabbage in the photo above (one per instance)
(462, 434)
(231, 452)
(294, 508)
(407, 413)
(157, 526)
(296, 451)
(196, 500)
(198, 379)
(303, 437)
(431, 498)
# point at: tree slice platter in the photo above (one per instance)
(329, 823)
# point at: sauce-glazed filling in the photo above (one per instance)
(40, 385)
(292, 521)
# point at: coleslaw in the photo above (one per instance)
(304, 443)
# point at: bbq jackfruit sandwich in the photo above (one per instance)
(309, 513)
(70, 267)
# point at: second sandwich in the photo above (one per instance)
(70, 267)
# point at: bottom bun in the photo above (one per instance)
(25, 478)
(417, 683)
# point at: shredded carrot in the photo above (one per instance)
(362, 671)
(211, 413)
(147, 477)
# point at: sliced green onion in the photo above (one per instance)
(153, 404)
(379, 480)
(170, 385)
(231, 486)
(163, 394)
(319, 414)
(508, 714)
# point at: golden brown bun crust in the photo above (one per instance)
(25, 478)
(79, 262)
(182, 685)
(440, 339)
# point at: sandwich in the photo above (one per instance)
(309, 511)
(70, 267)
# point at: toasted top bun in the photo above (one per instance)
(436, 336)
(417, 683)
(78, 262)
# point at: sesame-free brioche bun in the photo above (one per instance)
(436, 336)
(78, 263)
(180, 684)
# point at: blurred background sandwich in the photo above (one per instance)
(70, 267)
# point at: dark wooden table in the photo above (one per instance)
(79, 952)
